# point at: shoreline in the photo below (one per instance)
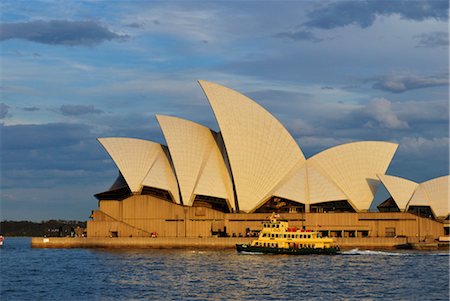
(212, 243)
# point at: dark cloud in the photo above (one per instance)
(4, 108)
(401, 82)
(76, 110)
(31, 109)
(434, 39)
(364, 13)
(59, 32)
(50, 135)
(300, 35)
(51, 165)
(135, 25)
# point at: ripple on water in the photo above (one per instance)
(81, 274)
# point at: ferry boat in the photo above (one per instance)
(1, 240)
(278, 238)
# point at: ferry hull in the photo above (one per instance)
(290, 251)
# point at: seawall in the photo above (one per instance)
(193, 242)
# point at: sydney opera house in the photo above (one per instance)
(205, 183)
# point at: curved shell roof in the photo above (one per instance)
(354, 168)
(294, 187)
(322, 189)
(399, 188)
(161, 176)
(260, 150)
(433, 193)
(135, 158)
(308, 185)
(198, 162)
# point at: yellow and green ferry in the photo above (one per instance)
(278, 238)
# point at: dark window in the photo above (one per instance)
(156, 192)
(218, 204)
(334, 206)
(280, 205)
(423, 211)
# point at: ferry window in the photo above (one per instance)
(284, 235)
(278, 226)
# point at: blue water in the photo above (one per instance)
(86, 274)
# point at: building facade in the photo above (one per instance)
(205, 183)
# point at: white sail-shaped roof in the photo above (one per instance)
(198, 162)
(320, 188)
(399, 188)
(354, 168)
(133, 157)
(261, 151)
(294, 187)
(433, 193)
(308, 185)
(161, 175)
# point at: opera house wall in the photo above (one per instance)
(206, 183)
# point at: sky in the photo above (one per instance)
(332, 72)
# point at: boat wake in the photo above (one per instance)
(372, 252)
(250, 253)
(386, 253)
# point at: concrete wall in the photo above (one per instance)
(189, 242)
(136, 242)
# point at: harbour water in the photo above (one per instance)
(98, 274)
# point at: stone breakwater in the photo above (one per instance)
(191, 242)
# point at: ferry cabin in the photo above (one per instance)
(277, 234)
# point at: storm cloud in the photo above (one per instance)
(433, 39)
(4, 108)
(59, 32)
(364, 13)
(401, 82)
(76, 110)
(300, 35)
(30, 109)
